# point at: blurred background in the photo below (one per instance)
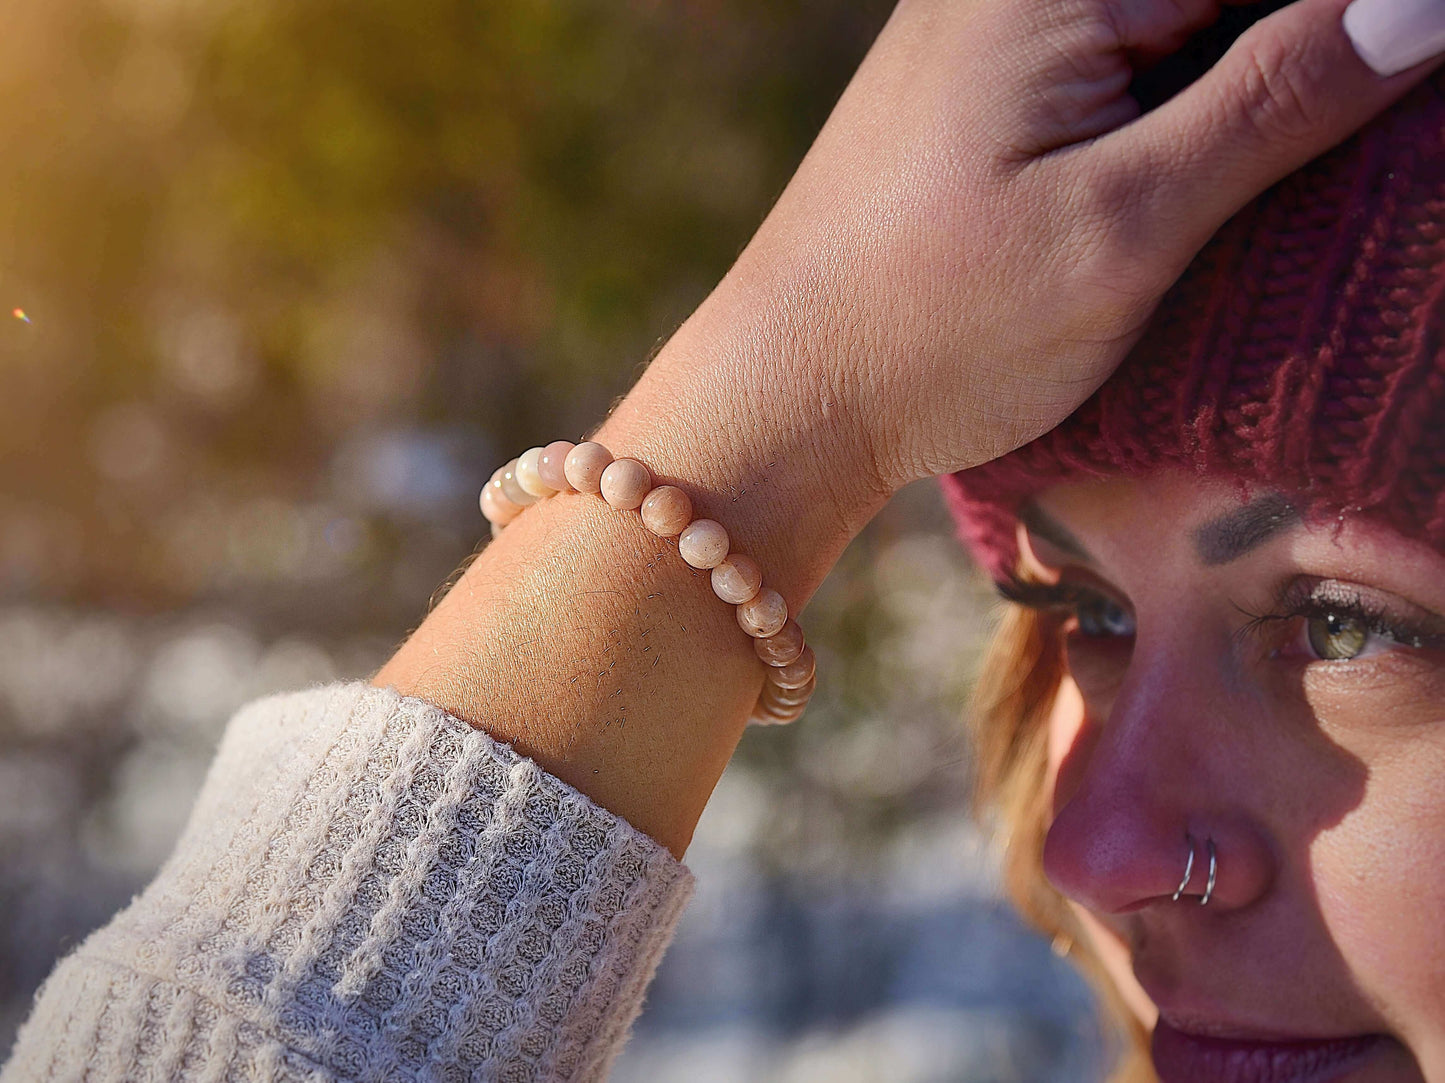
(280, 284)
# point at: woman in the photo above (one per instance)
(1213, 730)
(370, 887)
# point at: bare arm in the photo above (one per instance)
(589, 644)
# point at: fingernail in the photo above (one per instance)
(1392, 35)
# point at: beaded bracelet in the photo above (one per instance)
(626, 484)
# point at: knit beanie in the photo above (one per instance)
(1303, 350)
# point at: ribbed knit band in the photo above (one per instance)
(1303, 350)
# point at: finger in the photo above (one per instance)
(1193, 53)
(1079, 59)
(1158, 27)
(1289, 89)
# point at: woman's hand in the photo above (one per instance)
(985, 224)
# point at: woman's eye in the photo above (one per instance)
(1098, 616)
(1337, 637)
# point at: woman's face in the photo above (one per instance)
(1276, 688)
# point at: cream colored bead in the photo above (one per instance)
(666, 511)
(512, 488)
(528, 475)
(787, 697)
(737, 578)
(552, 465)
(765, 615)
(494, 485)
(782, 646)
(585, 464)
(497, 508)
(703, 544)
(625, 483)
(795, 674)
(765, 714)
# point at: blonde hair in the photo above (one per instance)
(1022, 672)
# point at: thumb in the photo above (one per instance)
(1290, 88)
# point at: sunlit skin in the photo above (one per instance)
(1199, 703)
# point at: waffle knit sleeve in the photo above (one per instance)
(368, 889)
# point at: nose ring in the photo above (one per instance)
(1189, 871)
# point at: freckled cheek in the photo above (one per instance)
(1384, 920)
(1378, 872)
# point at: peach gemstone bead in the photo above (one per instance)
(528, 475)
(737, 578)
(787, 697)
(765, 615)
(782, 646)
(703, 544)
(494, 486)
(585, 464)
(624, 484)
(497, 508)
(552, 465)
(796, 674)
(512, 488)
(778, 714)
(666, 511)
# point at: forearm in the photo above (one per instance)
(588, 643)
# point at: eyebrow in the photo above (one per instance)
(1218, 541)
(1230, 536)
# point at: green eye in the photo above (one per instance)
(1337, 638)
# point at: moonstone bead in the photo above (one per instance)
(585, 464)
(776, 714)
(552, 465)
(787, 697)
(499, 498)
(624, 484)
(497, 508)
(795, 674)
(782, 646)
(512, 488)
(703, 544)
(528, 475)
(666, 511)
(765, 615)
(737, 578)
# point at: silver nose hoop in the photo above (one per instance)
(1189, 871)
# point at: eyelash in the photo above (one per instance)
(1302, 600)
(1063, 599)
(1305, 600)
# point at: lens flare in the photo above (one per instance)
(19, 314)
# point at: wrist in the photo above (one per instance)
(731, 412)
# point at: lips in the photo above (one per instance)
(1180, 1057)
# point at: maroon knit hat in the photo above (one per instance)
(1303, 350)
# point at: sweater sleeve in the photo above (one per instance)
(368, 889)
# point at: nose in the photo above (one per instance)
(1155, 790)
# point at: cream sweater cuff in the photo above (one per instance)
(369, 889)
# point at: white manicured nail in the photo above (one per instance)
(1392, 35)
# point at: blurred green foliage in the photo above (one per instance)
(300, 274)
(248, 232)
